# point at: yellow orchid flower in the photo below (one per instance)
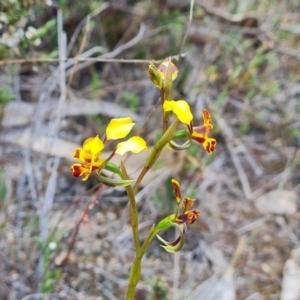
(158, 75)
(135, 144)
(181, 109)
(163, 67)
(200, 133)
(119, 128)
(187, 217)
(89, 155)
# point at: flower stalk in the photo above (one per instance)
(91, 162)
(133, 211)
(136, 266)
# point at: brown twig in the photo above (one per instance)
(85, 59)
(74, 232)
(187, 30)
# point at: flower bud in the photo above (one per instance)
(155, 75)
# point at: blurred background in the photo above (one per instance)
(65, 239)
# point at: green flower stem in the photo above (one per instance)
(165, 139)
(168, 134)
(166, 114)
(162, 96)
(133, 211)
(166, 94)
(139, 179)
(165, 121)
(136, 267)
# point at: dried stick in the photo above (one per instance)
(93, 14)
(47, 204)
(229, 139)
(72, 60)
(187, 29)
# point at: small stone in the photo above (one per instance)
(282, 202)
(290, 287)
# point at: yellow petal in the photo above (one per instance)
(207, 120)
(197, 135)
(80, 154)
(98, 164)
(209, 144)
(187, 203)
(176, 189)
(93, 145)
(119, 128)
(79, 170)
(135, 144)
(181, 109)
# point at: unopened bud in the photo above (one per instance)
(155, 75)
